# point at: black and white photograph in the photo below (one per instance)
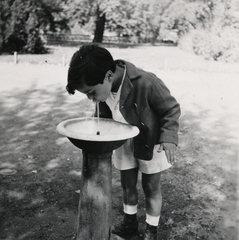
(119, 120)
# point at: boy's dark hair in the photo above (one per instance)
(89, 65)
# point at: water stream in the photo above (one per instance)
(98, 116)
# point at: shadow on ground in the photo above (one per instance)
(40, 173)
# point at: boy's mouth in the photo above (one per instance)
(95, 101)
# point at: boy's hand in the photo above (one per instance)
(170, 151)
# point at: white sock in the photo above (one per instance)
(130, 209)
(152, 220)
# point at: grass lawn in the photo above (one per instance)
(40, 171)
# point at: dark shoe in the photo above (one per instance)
(127, 226)
(151, 233)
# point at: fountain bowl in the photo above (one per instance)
(82, 132)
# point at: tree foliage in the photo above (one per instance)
(217, 31)
(137, 18)
(24, 20)
(209, 23)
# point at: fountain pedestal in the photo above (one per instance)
(94, 218)
(95, 197)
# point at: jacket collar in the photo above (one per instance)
(131, 73)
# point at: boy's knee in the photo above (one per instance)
(127, 185)
(151, 186)
(129, 179)
(151, 189)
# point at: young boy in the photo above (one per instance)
(131, 95)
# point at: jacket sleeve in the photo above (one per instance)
(168, 111)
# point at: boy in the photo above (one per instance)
(131, 95)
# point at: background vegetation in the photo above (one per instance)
(207, 28)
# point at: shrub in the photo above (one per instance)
(216, 44)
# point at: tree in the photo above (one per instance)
(4, 19)
(181, 15)
(123, 17)
(216, 29)
(99, 25)
(154, 17)
(138, 17)
(90, 14)
(25, 21)
(132, 17)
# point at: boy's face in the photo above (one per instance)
(99, 92)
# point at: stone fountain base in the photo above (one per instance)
(95, 197)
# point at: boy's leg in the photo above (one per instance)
(151, 184)
(129, 180)
(130, 200)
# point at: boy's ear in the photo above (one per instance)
(109, 75)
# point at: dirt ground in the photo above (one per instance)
(40, 171)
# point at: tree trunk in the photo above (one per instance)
(99, 26)
(155, 34)
(1, 38)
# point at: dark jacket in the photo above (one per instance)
(146, 102)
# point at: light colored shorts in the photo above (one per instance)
(123, 159)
